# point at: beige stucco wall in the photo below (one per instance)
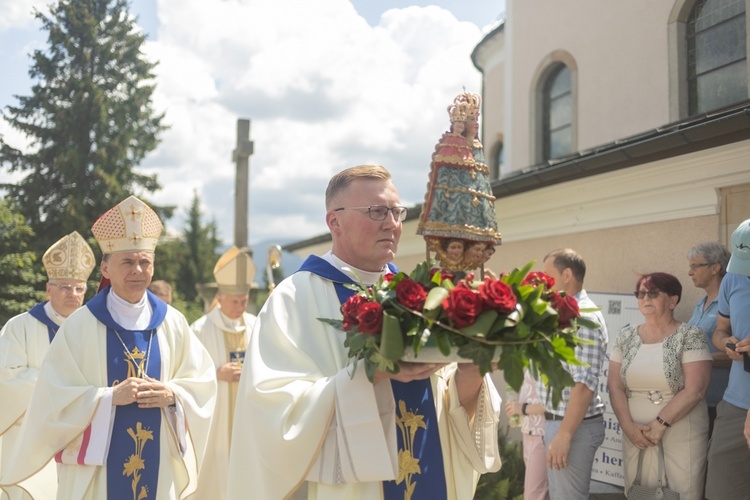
(614, 257)
(620, 52)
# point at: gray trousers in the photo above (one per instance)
(573, 482)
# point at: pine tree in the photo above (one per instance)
(19, 273)
(89, 117)
(202, 243)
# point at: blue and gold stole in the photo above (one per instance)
(40, 314)
(133, 458)
(421, 472)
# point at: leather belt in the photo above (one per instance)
(552, 416)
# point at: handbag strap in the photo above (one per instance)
(640, 465)
(661, 471)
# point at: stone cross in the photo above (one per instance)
(241, 157)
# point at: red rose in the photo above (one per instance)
(387, 277)
(462, 305)
(349, 311)
(443, 274)
(536, 278)
(370, 317)
(497, 295)
(411, 294)
(567, 309)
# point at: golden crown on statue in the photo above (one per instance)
(458, 111)
(473, 103)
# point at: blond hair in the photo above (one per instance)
(343, 179)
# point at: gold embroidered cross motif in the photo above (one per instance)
(135, 238)
(134, 213)
(135, 462)
(408, 465)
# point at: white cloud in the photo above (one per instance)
(17, 13)
(324, 91)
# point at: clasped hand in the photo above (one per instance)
(645, 435)
(148, 393)
(229, 372)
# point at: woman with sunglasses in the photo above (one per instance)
(658, 375)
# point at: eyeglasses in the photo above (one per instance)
(652, 294)
(78, 289)
(693, 267)
(379, 212)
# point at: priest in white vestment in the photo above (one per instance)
(125, 395)
(304, 428)
(24, 341)
(224, 331)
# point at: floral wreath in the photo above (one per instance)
(512, 322)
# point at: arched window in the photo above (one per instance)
(497, 160)
(557, 114)
(716, 55)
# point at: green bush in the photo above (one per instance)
(507, 483)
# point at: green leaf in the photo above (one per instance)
(336, 323)
(512, 366)
(355, 342)
(391, 339)
(443, 342)
(587, 323)
(482, 325)
(479, 354)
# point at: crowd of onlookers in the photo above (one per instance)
(122, 398)
(680, 390)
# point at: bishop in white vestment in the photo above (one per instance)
(125, 395)
(24, 341)
(225, 331)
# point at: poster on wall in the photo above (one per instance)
(619, 310)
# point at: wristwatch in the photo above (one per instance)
(523, 408)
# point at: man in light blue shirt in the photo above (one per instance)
(728, 454)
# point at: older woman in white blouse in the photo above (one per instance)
(658, 375)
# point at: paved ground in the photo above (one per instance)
(604, 491)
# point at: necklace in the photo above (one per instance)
(137, 369)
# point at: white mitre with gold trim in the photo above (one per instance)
(69, 258)
(130, 226)
(234, 272)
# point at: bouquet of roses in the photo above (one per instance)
(514, 321)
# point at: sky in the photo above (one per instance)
(326, 85)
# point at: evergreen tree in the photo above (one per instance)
(201, 243)
(20, 276)
(89, 117)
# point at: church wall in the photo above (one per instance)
(620, 51)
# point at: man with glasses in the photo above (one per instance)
(25, 339)
(307, 426)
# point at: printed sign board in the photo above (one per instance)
(620, 310)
